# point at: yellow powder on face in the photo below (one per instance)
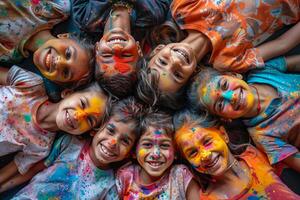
(142, 152)
(204, 91)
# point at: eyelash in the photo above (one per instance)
(224, 84)
(68, 53)
(82, 104)
(162, 62)
(220, 105)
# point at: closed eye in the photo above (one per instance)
(162, 62)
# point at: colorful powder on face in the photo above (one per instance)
(157, 132)
(39, 42)
(142, 152)
(228, 95)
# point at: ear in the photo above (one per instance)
(157, 49)
(66, 92)
(224, 134)
(140, 52)
(63, 35)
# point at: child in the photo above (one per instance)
(29, 121)
(21, 20)
(155, 177)
(269, 103)
(206, 147)
(82, 169)
(228, 29)
(118, 51)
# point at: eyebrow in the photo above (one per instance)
(74, 50)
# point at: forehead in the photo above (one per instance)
(155, 134)
(195, 133)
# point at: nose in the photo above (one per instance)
(229, 95)
(205, 155)
(113, 143)
(80, 114)
(155, 153)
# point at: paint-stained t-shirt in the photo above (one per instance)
(71, 174)
(276, 130)
(19, 131)
(21, 19)
(172, 186)
(263, 184)
(235, 27)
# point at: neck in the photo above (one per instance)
(199, 43)
(37, 40)
(46, 116)
(146, 179)
(119, 17)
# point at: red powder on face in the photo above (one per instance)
(122, 67)
(35, 1)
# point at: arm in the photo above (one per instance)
(193, 190)
(8, 171)
(293, 161)
(293, 63)
(19, 179)
(3, 75)
(282, 44)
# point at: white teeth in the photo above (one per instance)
(182, 54)
(69, 120)
(48, 60)
(116, 40)
(106, 151)
(155, 164)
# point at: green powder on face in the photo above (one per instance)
(27, 118)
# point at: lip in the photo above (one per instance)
(68, 120)
(213, 163)
(155, 165)
(106, 152)
(241, 101)
(49, 60)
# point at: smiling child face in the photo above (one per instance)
(204, 148)
(62, 60)
(113, 143)
(155, 153)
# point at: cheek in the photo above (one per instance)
(141, 152)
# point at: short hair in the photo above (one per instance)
(86, 43)
(147, 89)
(119, 85)
(200, 80)
(158, 120)
(128, 110)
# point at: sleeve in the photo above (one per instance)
(91, 15)
(237, 59)
(150, 13)
(124, 179)
(186, 175)
(112, 194)
(19, 77)
(278, 63)
(58, 147)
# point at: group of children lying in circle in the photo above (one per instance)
(148, 88)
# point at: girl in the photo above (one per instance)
(83, 169)
(29, 121)
(118, 51)
(269, 103)
(155, 177)
(229, 30)
(206, 147)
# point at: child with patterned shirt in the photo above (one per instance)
(224, 174)
(29, 121)
(83, 168)
(155, 177)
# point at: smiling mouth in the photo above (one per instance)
(49, 61)
(155, 164)
(69, 120)
(239, 103)
(212, 163)
(182, 54)
(106, 151)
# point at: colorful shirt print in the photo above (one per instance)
(71, 174)
(171, 186)
(21, 19)
(235, 27)
(275, 131)
(264, 183)
(19, 131)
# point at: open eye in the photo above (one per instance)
(125, 141)
(224, 84)
(82, 103)
(162, 62)
(165, 145)
(207, 141)
(110, 130)
(192, 153)
(178, 75)
(220, 105)
(68, 53)
(147, 144)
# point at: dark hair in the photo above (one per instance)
(157, 120)
(88, 46)
(127, 110)
(119, 85)
(200, 79)
(147, 89)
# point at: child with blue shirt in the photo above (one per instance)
(83, 168)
